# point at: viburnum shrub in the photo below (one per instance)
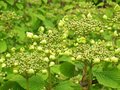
(86, 44)
(41, 50)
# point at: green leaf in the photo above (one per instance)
(65, 85)
(3, 4)
(109, 78)
(3, 46)
(11, 2)
(11, 85)
(45, 1)
(67, 69)
(20, 6)
(35, 82)
(118, 42)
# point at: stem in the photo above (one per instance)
(49, 85)
(27, 83)
(90, 77)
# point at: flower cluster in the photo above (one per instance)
(7, 19)
(77, 35)
(26, 63)
(72, 25)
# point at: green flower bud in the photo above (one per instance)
(46, 59)
(96, 60)
(81, 40)
(51, 64)
(52, 57)
(61, 23)
(16, 63)
(107, 59)
(115, 34)
(35, 37)
(34, 43)
(105, 17)
(2, 59)
(3, 65)
(117, 51)
(42, 28)
(114, 59)
(22, 49)
(31, 47)
(39, 48)
(92, 41)
(13, 49)
(78, 57)
(29, 34)
(89, 15)
(44, 71)
(30, 71)
(47, 51)
(8, 55)
(15, 71)
(43, 42)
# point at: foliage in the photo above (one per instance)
(59, 45)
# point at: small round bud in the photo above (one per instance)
(115, 34)
(30, 71)
(117, 51)
(107, 59)
(15, 71)
(31, 47)
(52, 57)
(22, 49)
(96, 60)
(92, 41)
(43, 42)
(51, 64)
(44, 71)
(3, 65)
(29, 34)
(46, 59)
(89, 15)
(61, 23)
(105, 17)
(42, 28)
(47, 51)
(72, 58)
(2, 59)
(34, 43)
(35, 37)
(16, 63)
(8, 55)
(114, 59)
(81, 40)
(13, 49)
(39, 48)
(78, 57)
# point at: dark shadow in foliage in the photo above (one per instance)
(11, 85)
